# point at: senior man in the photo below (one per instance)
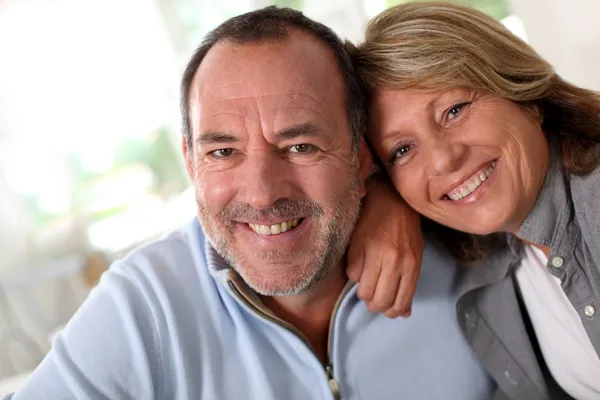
(251, 300)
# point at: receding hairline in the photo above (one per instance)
(291, 34)
(288, 34)
(271, 24)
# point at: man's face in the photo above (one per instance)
(277, 184)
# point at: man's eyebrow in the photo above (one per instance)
(299, 130)
(215, 137)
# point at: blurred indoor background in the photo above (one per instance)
(90, 161)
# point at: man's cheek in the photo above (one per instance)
(320, 186)
(215, 193)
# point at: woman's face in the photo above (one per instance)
(473, 162)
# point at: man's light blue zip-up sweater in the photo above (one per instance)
(171, 322)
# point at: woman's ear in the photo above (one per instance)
(537, 112)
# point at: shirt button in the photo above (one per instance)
(558, 262)
(590, 311)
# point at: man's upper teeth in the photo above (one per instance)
(472, 183)
(274, 229)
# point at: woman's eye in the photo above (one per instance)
(302, 148)
(400, 152)
(222, 153)
(455, 110)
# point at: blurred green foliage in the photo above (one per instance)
(155, 152)
(295, 4)
(495, 8)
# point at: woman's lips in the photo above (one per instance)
(471, 184)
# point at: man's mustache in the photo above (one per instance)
(284, 209)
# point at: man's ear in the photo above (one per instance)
(365, 165)
(188, 156)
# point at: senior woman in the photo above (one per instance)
(481, 136)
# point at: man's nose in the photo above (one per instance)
(446, 157)
(263, 180)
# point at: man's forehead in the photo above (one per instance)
(299, 64)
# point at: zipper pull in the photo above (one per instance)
(333, 384)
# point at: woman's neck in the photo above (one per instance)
(545, 249)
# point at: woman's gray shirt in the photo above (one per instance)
(565, 218)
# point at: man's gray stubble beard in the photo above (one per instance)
(331, 246)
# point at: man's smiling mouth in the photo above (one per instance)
(276, 229)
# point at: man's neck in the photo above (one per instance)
(310, 312)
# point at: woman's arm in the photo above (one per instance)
(386, 250)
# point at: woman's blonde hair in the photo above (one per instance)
(437, 45)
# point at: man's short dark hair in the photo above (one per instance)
(273, 24)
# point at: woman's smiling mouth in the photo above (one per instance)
(472, 183)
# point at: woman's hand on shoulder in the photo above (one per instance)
(386, 250)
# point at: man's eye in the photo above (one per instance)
(302, 148)
(222, 153)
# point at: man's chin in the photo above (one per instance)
(277, 288)
(280, 279)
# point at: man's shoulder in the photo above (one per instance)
(172, 264)
(169, 281)
(436, 256)
(438, 272)
(122, 337)
(178, 249)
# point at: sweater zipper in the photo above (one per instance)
(333, 384)
(331, 381)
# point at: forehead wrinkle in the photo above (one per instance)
(293, 96)
(272, 114)
(219, 59)
(316, 111)
(216, 113)
(225, 81)
(243, 105)
(215, 137)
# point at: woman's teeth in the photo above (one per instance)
(472, 183)
(275, 229)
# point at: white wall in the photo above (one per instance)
(567, 34)
(346, 17)
(14, 232)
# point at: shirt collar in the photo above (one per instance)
(549, 215)
(225, 275)
(217, 266)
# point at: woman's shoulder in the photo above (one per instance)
(585, 190)
(585, 195)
